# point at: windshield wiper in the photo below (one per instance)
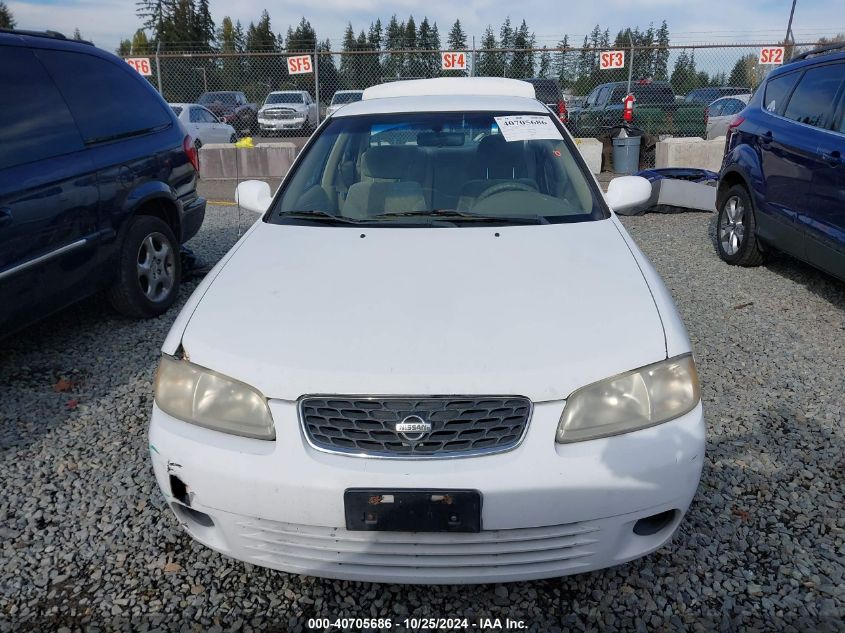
(318, 216)
(454, 214)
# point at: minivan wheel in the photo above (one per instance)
(149, 269)
(736, 229)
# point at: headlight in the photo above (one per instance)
(635, 400)
(205, 398)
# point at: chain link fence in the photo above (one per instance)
(673, 85)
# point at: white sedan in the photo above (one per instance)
(202, 125)
(722, 112)
(438, 357)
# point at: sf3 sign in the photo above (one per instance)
(142, 65)
(453, 61)
(300, 65)
(771, 55)
(611, 59)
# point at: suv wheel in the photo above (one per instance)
(149, 269)
(736, 229)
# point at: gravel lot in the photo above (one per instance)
(85, 542)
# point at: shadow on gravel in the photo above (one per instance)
(821, 284)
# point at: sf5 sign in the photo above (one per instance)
(611, 59)
(141, 64)
(300, 65)
(771, 55)
(453, 61)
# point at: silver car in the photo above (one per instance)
(288, 110)
(201, 124)
(721, 112)
(341, 98)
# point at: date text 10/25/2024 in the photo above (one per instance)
(417, 624)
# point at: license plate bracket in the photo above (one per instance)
(412, 510)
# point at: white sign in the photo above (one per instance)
(771, 55)
(453, 61)
(300, 65)
(527, 127)
(142, 65)
(611, 59)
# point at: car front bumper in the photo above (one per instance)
(282, 124)
(548, 510)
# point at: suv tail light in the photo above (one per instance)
(191, 152)
(737, 121)
(562, 112)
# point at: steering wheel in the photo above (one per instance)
(502, 187)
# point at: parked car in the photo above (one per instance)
(783, 177)
(98, 182)
(655, 110)
(722, 112)
(548, 91)
(709, 95)
(233, 108)
(341, 98)
(203, 125)
(288, 110)
(417, 378)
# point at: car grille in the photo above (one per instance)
(460, 426)
(279, 114)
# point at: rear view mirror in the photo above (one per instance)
(440, 139)
(254, 195)
(627, 192)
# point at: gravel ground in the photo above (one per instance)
(86, 543)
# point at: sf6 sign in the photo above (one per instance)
(453, 61)
(300, 64)
(611, 59)
(771, 55)
(141, 64)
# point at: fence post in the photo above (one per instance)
(474, 58)
(630, 62)
(158, 68)
(317, 77)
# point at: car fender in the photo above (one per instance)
(144, 193)
(744, 162)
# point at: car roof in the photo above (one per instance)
(813, 58)
(283, 92)
(438, 103)
(451, 86)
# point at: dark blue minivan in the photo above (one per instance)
(782, 184)
(98, 182)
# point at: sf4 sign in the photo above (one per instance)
(300, 65)
(771, 55)
(141, 64)
(453, 61)
(611, 59)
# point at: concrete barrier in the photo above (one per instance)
(690, 152)
(265, 160)
(591, 150)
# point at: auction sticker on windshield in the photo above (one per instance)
(527, 127)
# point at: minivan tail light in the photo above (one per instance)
(191, 151)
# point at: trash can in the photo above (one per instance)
(626, 154)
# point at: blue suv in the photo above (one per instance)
(782, 184)
(98, 182)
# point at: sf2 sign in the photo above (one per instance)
(771, 55)
(611, 59)
(453, 61)
(300, 65)
(142, 65)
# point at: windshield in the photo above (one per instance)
(452, 167)
(226, 98)
(341, 98)
(284, 97)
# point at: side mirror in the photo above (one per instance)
(627, 192)
(254, 195)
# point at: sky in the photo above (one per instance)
(106, 22)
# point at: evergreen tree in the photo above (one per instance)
(684, 76)
(429, 61)
(260, 36)
(330, 80)
(565, 64)
(506, 36)
(303, 38)
(545, 70)
(7, 20)
(375, 35)
(348, 60)
(154, 13)
(490, 62)
(124, 49)
(457, 39)
(742, 74)
(394, 40)
(522, 62)
(660, 67)
(231, 68)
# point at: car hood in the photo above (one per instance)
(296, 107)
(536, 311)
